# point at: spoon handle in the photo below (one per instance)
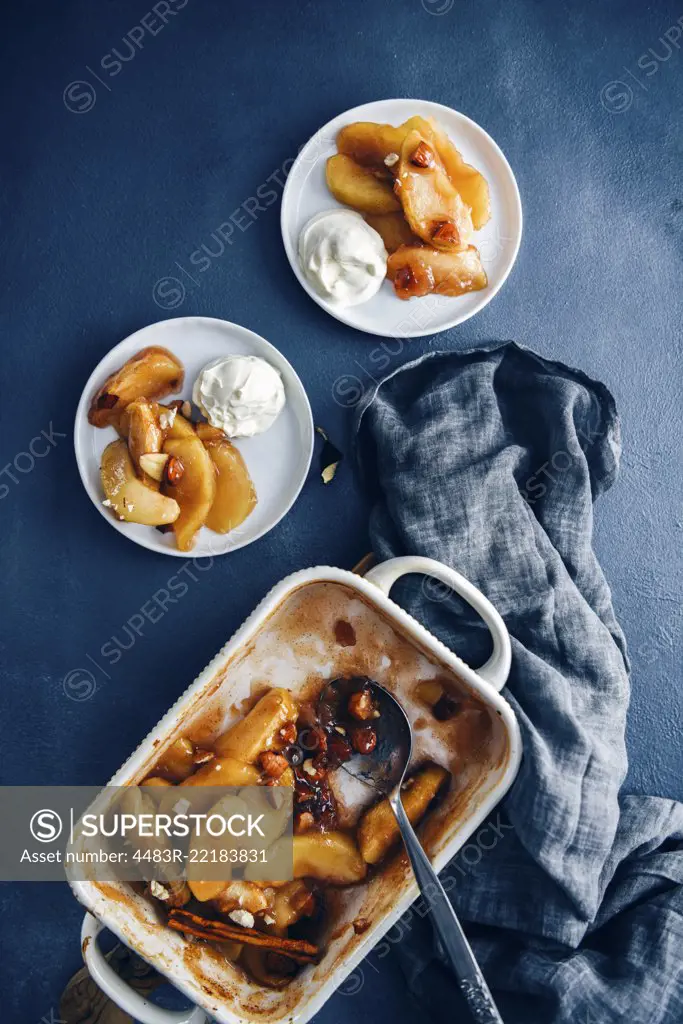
(446, 924)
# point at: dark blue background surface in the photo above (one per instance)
(101, 201)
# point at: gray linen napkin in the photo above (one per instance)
(490, 461)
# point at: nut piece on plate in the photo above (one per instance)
(235, 492)
(175, 425)
(153, 465)
(432, 206)
(130, 498)
(419, 270)
(152, 373)
(195, 489)
(359, 187)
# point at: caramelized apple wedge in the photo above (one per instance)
(145, 436)
(195, 489)
(235, 492)
(174, 424)
(151, 373)
(368, 143)
(258, 731)
(432, 206)
(470, 183)
(393, 229)
(127, 495)
(417, 270)
(331, 857)
(378, 829)
(358, 187)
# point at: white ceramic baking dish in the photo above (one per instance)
(214, 986)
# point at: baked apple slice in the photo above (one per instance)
(145, 436)
(433, 208)
(369, 144)
(393, 229)
(235, 492)
(331, 857)
(359, 187)
(127, 495)
(152, 373)
(418, 270)
(469, 182)
(191, 481)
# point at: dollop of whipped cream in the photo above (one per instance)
(242, 395)
(342, 257)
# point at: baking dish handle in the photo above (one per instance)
(125, 997)
(496, 670)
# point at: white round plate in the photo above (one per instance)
(306, 194)
(278, 460)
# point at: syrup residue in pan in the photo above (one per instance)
(324, 631)
(320, 632)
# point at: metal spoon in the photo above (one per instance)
(384, 769)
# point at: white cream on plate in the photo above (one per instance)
(342, 257)
(242, 395)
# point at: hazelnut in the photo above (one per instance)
(362, 706)
(174, 470)
(445, 231)
(273, 764)
(423, 156)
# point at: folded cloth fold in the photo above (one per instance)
(490, 461)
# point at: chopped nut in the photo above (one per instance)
(167, 417)
(391, 158)
(273, 764)
(186, 410)
(288, 733)
(153, 463)
(362, 706)
(304, 822)
(174, 470)
(363, 739)
(361, 924)
(158, 890)
(445, 231)
(340, 729)
(423, 156)
(268, 919)
(309, 767)
(242, 917)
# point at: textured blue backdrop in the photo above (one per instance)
(116, 166)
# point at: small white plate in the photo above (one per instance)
(306, 194)
(277, 460)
